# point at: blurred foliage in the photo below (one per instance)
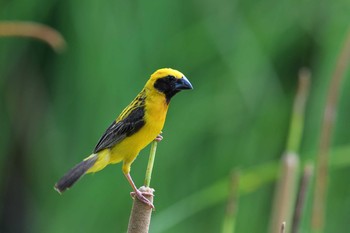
(242, 58)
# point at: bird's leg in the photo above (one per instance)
(140, 195)
(159, 137)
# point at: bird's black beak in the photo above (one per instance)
(183, 84)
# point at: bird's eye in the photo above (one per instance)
(170, 77)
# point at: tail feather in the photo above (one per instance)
(75, 173)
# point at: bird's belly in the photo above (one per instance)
(154, 118)
(129, 148)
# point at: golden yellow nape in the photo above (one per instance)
(139, 124)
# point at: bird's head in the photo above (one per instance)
(168, 82)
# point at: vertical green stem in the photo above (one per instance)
(321, 173)
(286, 187)
(232, 204)
(297, 120)
(152, 155)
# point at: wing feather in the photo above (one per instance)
(121, 129)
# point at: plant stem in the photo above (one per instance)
(297, 120)
(285, 193)
(149, 169)
(33, 30)
(232, 204)
(321, 176)
(140, 217)
(301, 199)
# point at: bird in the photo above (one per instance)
(138, 125)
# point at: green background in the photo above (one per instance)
(242, 58)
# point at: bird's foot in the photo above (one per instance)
(142, 197)
(159, 137)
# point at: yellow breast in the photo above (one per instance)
(155, 114)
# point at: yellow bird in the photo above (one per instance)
(139, 124)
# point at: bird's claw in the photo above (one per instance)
(141, 196)
(159, 137)
(132, 194)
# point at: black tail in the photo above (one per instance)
(74, 174)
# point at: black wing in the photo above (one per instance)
(117, 131)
